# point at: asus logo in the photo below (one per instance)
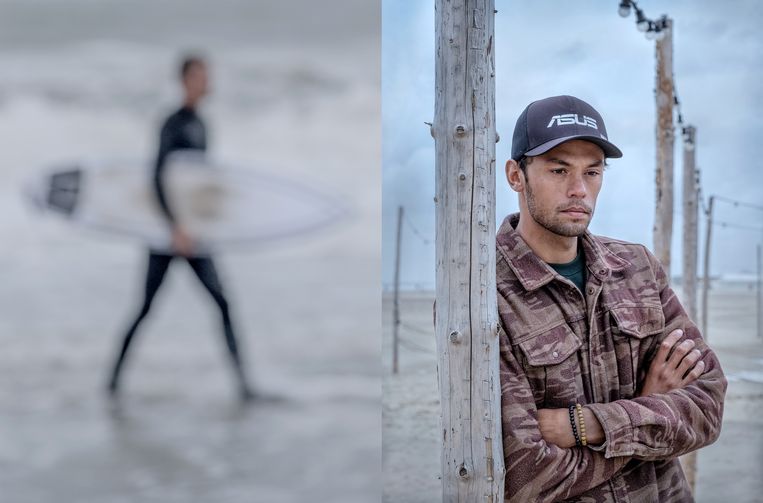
(561, 120)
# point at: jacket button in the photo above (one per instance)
(555, 353)
(590, 290)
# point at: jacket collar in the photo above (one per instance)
(533, 272)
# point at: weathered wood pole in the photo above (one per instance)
(396, 298)
(690, 217)
(466, 326)
(664, 95)
(760, 293)
(689, 273)
(706, 268)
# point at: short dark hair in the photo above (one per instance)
(188, 62)
(523, 163)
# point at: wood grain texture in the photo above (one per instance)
(690, 222)
(466, 312)
(664, 95)
(689, 273)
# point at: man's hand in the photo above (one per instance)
(675, 365)
(673, 369)
(181, 242)
(555, 427)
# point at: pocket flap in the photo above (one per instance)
(639, 321)
(551, 347)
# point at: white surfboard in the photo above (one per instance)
(218, 205)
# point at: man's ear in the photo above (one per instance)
(514, 176)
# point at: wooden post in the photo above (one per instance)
(706, 273)
(760, 287)
(689, 273)
(466, 326)
(396, 298)
(663, 221)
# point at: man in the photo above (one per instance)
(590, 321)
(183, 130)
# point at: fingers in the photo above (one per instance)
(694, 373)
(679, 352)
(667, 345)
(688, 362)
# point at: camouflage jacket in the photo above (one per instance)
(559, 346)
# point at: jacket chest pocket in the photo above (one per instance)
(551, 365)
(633, 331)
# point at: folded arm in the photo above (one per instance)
(538, 470)
(665, 425)
(674, 367)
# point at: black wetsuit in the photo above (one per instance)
(183, 130)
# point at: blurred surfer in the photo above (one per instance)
(183, 130)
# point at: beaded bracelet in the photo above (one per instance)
(574, 426)
(583, 439)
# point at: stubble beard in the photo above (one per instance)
(549, 221)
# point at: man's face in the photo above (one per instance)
(561, 187)
(196, 82)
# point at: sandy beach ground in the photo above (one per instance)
(728, 470)
(296, 94)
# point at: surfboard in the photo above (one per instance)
(219, 205)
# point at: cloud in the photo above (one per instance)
(586, 49)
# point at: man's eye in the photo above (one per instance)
(593, 173)
(559, 171)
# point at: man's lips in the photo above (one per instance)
(576, 211)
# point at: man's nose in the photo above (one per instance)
(576, 188)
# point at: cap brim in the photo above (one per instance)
(610, 150)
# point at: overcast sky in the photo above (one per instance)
(583, 48)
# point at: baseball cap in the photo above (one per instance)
(546, 123)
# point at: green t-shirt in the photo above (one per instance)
(573, 271)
